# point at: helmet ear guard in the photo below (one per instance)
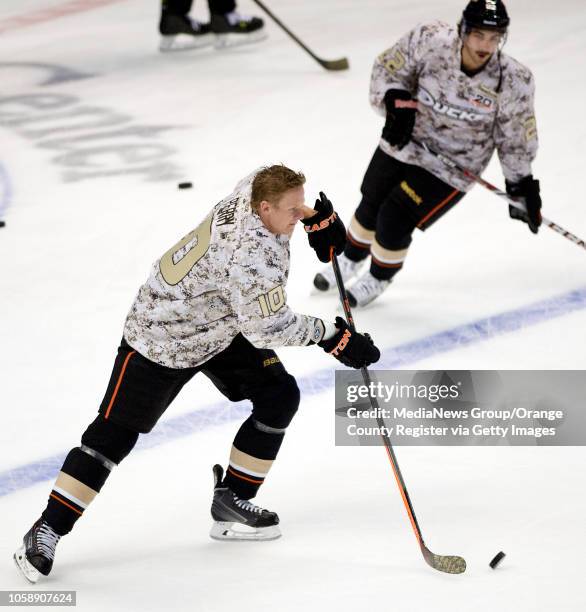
(462, 28)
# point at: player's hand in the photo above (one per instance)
(353, 349)
(401, 110)
(325, 229)
(527, 190)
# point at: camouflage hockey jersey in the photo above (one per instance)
(463, 117)
(225, 277)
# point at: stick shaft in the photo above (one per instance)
(548, 222)
(341, 64)
(266, 9)
(374, 403)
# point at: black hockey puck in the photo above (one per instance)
(2, 223)
(185, 185)
(497, 559)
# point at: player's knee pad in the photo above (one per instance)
(395, 225)
(275, 407)
(381, 176)
(367, 212)
(109, 440)
(393, 239)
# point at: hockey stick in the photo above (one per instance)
(450, 564)
(452, 164)
(339, 64)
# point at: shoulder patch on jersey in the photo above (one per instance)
(393, 63)
(530, 127)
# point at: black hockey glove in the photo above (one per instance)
(401, 110)
(325, 230)
(527, 189)
(351, 348)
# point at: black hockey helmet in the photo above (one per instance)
(485, 15)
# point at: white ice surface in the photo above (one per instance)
(74, 253)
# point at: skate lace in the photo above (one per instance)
(247, 506)
(47, 541)
(347, 266)
(368, 285)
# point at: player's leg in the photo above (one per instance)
(388, 251)
(85, 470)
(245, 372)
(417, 201)
(381, 176)
(231, 27)
(138, 393)
(179, 31)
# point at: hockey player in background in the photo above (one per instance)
(214, 303)
(454, 90)
(227, 27)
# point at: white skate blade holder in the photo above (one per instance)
(184, 42)
(228, 531)
(26, 569)
(226, 40)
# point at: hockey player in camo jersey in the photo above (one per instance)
(454, 90)
(214, 303)
(182, 320)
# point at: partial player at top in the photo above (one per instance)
(453, 89)
(227, 27)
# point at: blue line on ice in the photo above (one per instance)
(396, 357)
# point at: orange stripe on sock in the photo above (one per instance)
(440, 205)
(118, 383)
(244, 477)
(66, 504)
(386, 265)
(355, 242)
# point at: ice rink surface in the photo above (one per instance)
(96, 129)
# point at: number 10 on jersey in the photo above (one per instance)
(272, 301)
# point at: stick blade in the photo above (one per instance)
(339, 64)
(450, 564)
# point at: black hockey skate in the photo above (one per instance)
(234, 29)
(181, 33)
(35, 556)
(239, 519)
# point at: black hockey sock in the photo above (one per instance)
(79, 481)
(260, 437)
(383, 273)
(253, 452)
(355, 252)
(103, 446)
(386, 262)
